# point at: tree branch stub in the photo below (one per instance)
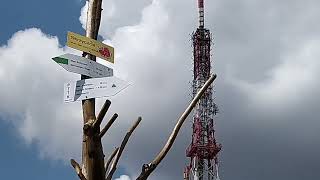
(101, 114)
(108, 125)
(78, 169)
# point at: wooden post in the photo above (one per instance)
(93, 167)
(92, 152)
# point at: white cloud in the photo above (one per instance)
(83, 15)
(32, 87)
(117, 13)
(123, 177)
(289, 83)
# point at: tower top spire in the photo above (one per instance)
(201, 13)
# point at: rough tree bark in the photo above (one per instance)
(92, 152)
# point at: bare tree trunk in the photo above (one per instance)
(92, 152)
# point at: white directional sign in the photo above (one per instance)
(93, 88)
(81, 65)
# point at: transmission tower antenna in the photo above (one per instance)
(203, 150)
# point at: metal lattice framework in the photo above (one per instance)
(203, 149)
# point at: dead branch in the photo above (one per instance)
(123, 144)
(101, 114)
(106, 167)
(147, 169)
(108, 125)
(78, 170)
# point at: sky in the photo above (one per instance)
(265, 55)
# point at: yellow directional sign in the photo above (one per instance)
(90, 46)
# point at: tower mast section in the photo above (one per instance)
(203, 149)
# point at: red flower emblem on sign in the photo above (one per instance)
(105, 52)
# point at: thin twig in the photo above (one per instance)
(106, 167)
(123, 144)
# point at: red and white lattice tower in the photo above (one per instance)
(203, 149)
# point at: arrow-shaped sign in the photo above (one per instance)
(81, 65)
(93, 88)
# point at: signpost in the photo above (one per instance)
(84, 66)
(90, 46)
(93, 88)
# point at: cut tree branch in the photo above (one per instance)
(78, 170)
(101, 114)
(108, 125)
(110, 159)
(147, 169)
(123, 144)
